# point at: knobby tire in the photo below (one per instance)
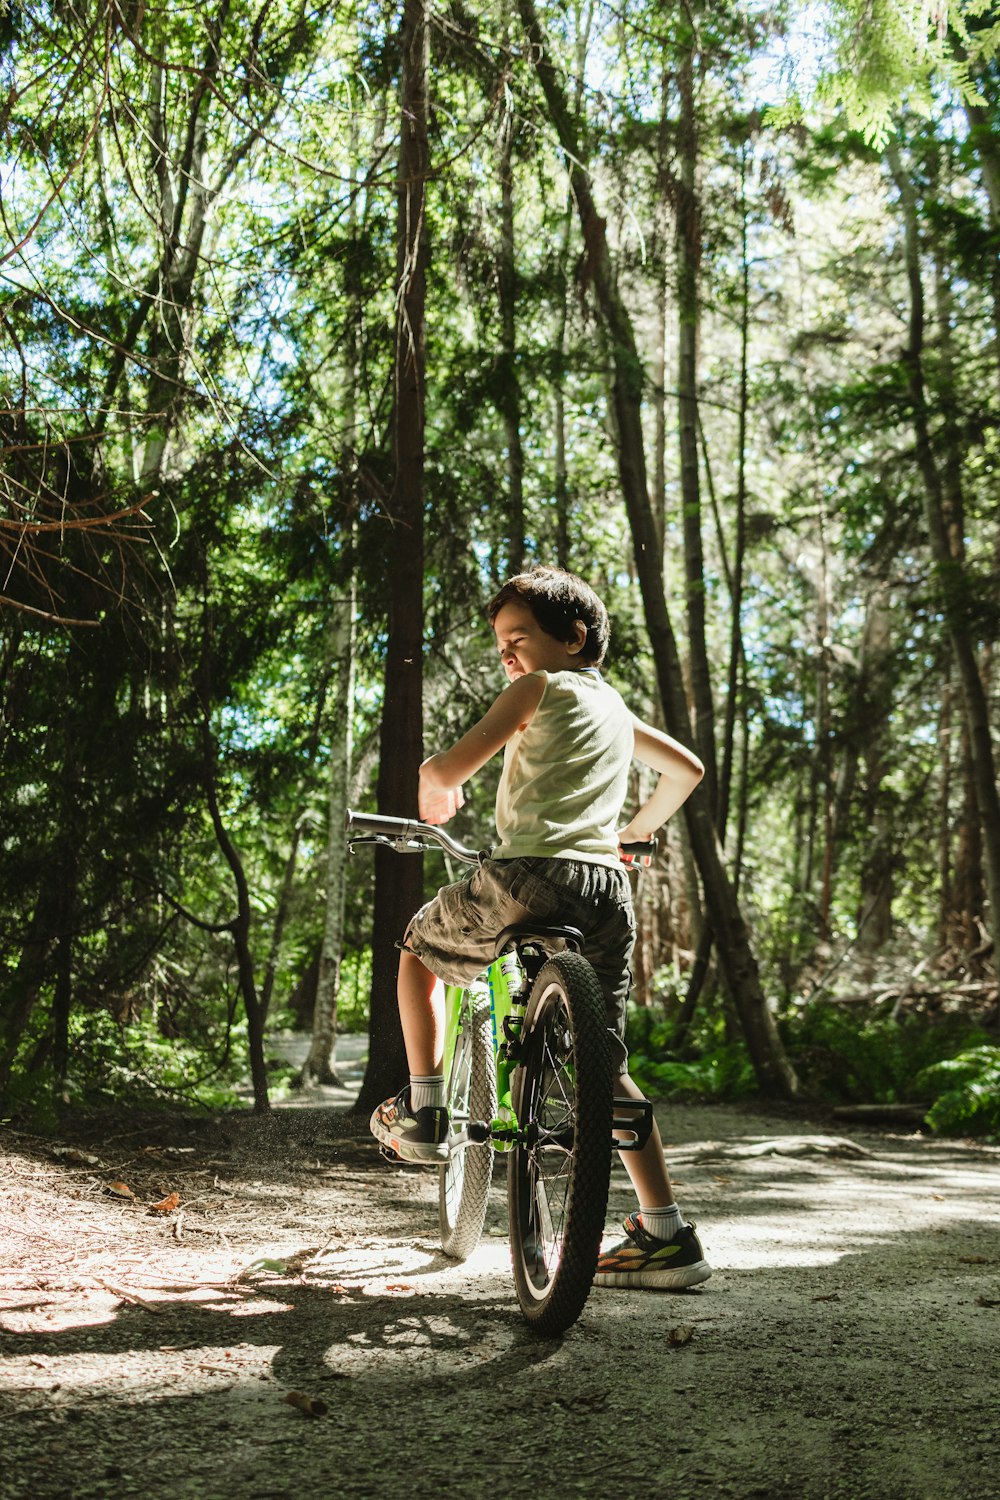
(558, 1177)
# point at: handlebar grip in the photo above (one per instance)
(638, 851)
(391, 828)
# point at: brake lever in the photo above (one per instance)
(639, 854)
(398, 846)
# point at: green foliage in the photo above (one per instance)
(354, 994)
(111, 1061)
(840, 1057)
(725, 1073)
(721, 1070)
(967, 1092)
(845, 1057)
(877, 55)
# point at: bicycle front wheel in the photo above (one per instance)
(558, 1174)
(464, 1180)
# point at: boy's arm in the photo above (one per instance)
(680, 772)
(441, 776)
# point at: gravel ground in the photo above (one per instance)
(847, 1345)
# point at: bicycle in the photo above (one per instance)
(528, 1073)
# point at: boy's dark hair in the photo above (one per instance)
(557, 600)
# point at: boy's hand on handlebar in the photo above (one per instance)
(632, 834)
(438, 804)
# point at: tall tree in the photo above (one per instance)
(688, 254)
(735, 953)
(947, 549)
(399, 882)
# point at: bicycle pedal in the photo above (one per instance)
(640, 1128)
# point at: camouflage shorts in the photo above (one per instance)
(454, 936)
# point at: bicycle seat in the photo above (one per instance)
(543, 933)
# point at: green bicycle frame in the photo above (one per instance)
(503, 980)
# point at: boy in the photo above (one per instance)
(568, 742)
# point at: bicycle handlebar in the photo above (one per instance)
(407, 833)
(404, 834)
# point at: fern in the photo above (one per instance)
(968, 1092)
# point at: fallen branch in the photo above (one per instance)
(898, 1114)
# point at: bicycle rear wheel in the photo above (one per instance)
(464, 1180)
(558, 1175)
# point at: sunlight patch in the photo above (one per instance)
(144, 1374)
(442, 1345)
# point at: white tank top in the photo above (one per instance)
(565, 776)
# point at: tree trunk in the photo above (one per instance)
(687, 251)
(742, 977)
(510, 391)
(320, 1064)
(399, 878)
(824, 730)
(953, 582)
(967, 891)
(736, 656)
(659, 259)
(20, 994)
(875, 915)
(561, 485)
(944, 818)
(280, 918)
(240, 929)
(737, 662)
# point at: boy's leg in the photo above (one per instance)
(421, 1011)
(659, 1248)
(414, 1125)
(647, 1169)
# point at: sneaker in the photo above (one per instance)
(412, 1135)
(641, 1260)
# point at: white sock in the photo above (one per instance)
(662, 1223)
(426, 1091)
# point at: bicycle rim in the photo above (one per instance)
(464, 1180)
(558, 1175)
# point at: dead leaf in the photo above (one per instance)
(166, 1205)
(974, 1260)
(311, 1405)
(682, 1334)
(119, 1190)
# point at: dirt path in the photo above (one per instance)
(847, 1345)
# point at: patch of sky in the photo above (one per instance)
(247, 729)
(789, 66)
(483, 553)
